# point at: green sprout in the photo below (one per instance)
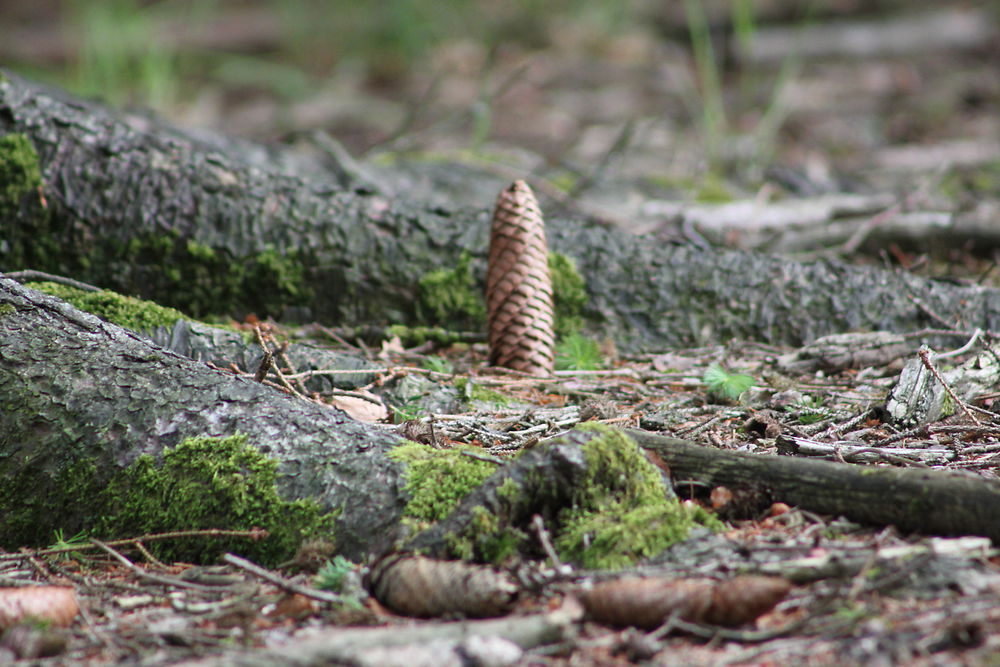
(578, 353)
(408, 411)
(332, 575)
(810, 410)
(62, 542)
(438, 365)
(723, 384)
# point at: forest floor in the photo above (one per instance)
(867, 137)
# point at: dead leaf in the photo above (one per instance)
(361, 409)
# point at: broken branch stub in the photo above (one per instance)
(518, 285)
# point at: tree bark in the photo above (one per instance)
(206, 224)
(74, 387)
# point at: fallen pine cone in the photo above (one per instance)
(648, 602)
(423, 587)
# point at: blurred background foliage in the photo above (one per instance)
(158, 53)
(694, 99)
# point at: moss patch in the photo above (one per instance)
(210, 282)
(203, 483)
(476, 394)
(20, 174)
(622, 513)
(569, 294)
(413, 336)
(21, 202)
(125, 311)
(437, 479)
(209, 483)
(451, 298)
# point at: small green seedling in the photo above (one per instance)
(332, 575)
(438, 365)
(723, 384)
(80, 539)
(578, 353)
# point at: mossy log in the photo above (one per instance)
(935, 502)
(88, 406)
(209, 225)
(82, 400)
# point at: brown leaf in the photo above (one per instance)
(419, 586)
(648, 602)
(360, 408)
(55, 604)
(294, 605)
(518, 285)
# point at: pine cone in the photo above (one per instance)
(518, 286)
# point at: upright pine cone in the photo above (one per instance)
(518, 286)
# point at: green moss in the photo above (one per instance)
(413, 336)
(947, 406)
(451, 298)
(485, 539)
(22, 203)
(205, 483)
(569, 294)
(477, 393)
(208, 281)
(20, 174)
(565, 180)
(437, 479)
(7, 309)
(713, 190)
(622, 513)
(125, 311)
(28, 516)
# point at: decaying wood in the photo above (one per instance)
(911, 33)
(831, 564)
(924, 394)
(855, 453)
(837, 352)
(927, 501)
(207, 204)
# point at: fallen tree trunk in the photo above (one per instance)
(209, 224)
(83, 400)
